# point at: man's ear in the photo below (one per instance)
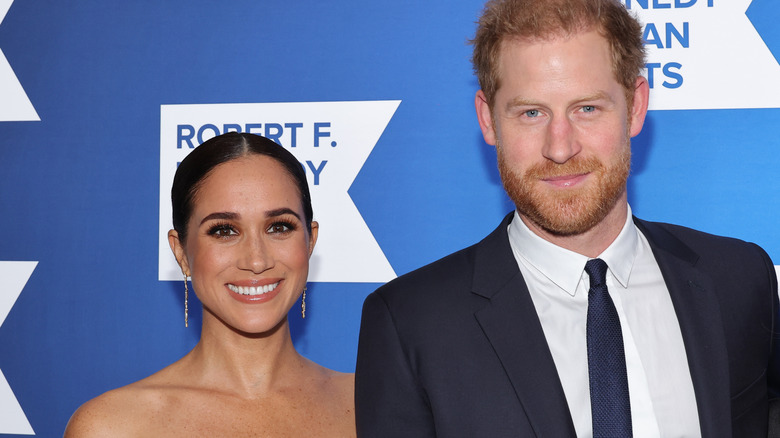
(485, 118)
(178, 251)
(639, 107)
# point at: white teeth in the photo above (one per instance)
(246, 290)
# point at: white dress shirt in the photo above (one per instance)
(663, 403)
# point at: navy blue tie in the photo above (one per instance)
(609, 402)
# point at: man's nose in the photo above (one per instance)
(560, 143)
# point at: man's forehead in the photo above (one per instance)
(547, 37)
(518, 51)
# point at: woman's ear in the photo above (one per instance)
(178, 251)
(315, 228)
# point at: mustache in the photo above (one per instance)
(574, 166)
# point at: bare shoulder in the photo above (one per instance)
(113, 414)
(342, 383)
(332, 395)
(122, 412)
(331, 381)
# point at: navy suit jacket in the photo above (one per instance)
(456, 349)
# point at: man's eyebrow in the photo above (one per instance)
(520, 101)
(599, 95)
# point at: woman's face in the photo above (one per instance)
(247, 246)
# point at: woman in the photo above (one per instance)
(243, 232)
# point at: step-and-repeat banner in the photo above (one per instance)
(100, 99)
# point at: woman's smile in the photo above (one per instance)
(250, 290)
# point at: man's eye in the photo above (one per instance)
(532, 113)
(588, 108)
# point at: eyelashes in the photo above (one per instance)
(222, 229)
(282, 227)
(225, 229)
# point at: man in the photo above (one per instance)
(573, 318)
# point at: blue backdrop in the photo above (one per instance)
(80, 187)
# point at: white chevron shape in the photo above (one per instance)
(332, 140)
(15, 106)
(726, 63)
(13, 278)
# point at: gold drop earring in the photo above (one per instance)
(186, 298)
(303, 304)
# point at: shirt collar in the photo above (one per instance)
(565, 268)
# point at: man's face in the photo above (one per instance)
(561, 127)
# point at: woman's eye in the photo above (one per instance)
(280, 227)
(222, 230)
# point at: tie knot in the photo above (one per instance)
(597, 271)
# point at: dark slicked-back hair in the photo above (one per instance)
(194, 169)
(504, 20)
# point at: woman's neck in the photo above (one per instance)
(248, 365)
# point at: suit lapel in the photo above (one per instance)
(510, 323)
(699, 314)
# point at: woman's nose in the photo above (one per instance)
(255, 255)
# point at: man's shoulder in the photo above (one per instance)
(695, 238)
(702, 246)
(452, 273)
(455, 268)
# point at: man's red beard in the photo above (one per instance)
(567, 211)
